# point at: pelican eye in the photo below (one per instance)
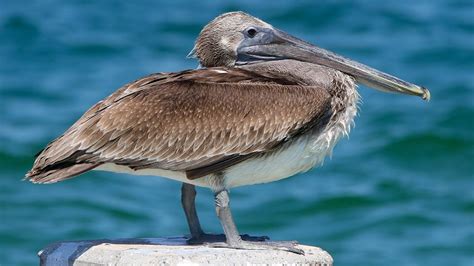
(251, 32)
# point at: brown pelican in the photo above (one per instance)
(264, 106)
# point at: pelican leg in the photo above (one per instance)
(234, 240)
(188, 196)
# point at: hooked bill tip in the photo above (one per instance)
(426, 94)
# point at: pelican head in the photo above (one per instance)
(236, 38)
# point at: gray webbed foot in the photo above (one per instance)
(212, 238)
(247, 237)
(289, 246)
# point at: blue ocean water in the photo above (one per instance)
(399, 192)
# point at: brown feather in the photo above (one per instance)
(56, 175)
(198, 121)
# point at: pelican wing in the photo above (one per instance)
(198, 121)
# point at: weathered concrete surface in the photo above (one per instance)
(169, 251)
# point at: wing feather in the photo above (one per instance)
(198, 121)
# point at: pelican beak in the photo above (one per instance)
(273, 44)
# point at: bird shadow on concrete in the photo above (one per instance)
(66, 253)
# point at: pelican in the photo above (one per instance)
(263, 106)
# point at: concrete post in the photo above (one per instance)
(169, 251)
